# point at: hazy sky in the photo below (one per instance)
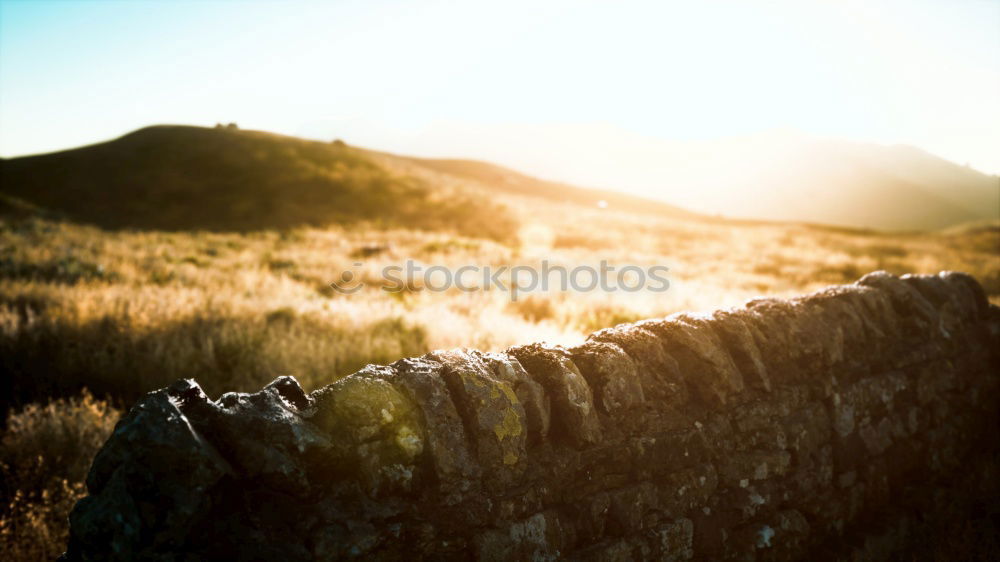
(488, 80)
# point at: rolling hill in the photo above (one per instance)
(192, 178)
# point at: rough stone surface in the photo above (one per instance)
(611, 374)
(845, 424)
(572, 399)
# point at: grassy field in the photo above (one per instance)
(122, 313)
(91, 318)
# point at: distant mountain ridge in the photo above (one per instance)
(775, 175)
(775, 178)
(863, 185)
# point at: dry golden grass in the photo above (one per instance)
(45, 454)
(125, 312)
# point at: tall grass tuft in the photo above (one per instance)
(45, 454)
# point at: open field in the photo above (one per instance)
(122, 313)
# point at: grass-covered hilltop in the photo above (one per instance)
(193, 178)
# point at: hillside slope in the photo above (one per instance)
(776, 175)
(500, 179)
(184, 178)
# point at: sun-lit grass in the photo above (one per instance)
(125, 312)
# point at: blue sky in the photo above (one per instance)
(457, 79)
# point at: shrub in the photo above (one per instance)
(45, 454)
(534, 309)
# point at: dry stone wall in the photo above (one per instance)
(842, 425)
